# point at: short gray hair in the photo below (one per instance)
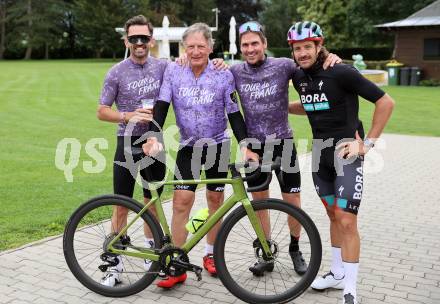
(199, 28)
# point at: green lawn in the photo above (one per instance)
(42, 102)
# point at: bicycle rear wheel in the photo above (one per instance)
(235, 252)
(90, 229)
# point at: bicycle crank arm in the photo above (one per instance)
(189, 267)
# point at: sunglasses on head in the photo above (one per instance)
(139, 39)
(250, 26)
(305, 34)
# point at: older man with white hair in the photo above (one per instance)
(201, 98)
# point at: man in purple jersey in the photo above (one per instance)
(263, 86)
(132, 85)
(201, 96)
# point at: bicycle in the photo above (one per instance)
(90, 243)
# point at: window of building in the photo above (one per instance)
(431, 50)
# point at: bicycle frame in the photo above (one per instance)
(239, 195)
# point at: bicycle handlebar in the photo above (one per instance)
(257, 168)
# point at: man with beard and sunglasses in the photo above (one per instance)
(330, 100)
(133, 85)
(263, 86)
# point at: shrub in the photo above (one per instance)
(430, 82)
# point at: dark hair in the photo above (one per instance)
(261, 33)
(322, 55)
(138, 20)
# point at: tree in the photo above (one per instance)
(242, 10)
(197, 11)
(96, 27)
(277, 18)
(350, 23)
(161, 8)
(4, 5)
(36, 24)
(364, 14)
(331, 16)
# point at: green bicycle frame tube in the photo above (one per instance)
(239, 195)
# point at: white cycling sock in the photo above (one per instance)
(337, 268)
(209, 249)
(350, 280)
(149, 243)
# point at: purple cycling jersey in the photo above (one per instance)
(264, 97)
(200, 104)
(127, 83)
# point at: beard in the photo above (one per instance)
(139, 51)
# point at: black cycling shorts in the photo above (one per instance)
(290, 178)
(337, 181)
(124, 176)
(189, 162)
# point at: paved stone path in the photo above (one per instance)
(399, 225)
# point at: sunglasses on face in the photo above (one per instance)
(139, 39)
(251, 26)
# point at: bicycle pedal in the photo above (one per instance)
(103, 268)
(198, 271)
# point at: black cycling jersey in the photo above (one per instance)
(330, 99)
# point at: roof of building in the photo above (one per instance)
(428, 16)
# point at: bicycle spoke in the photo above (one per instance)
(246, 230)
(239, 234)
(88, 232)
(85, 241)
(282, 279)
(273, 283)
(276, 221)
(87, 266)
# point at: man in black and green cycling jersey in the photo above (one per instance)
(263, 85)
(330, 100)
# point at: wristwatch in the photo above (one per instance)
(368, 143)
(122, 117)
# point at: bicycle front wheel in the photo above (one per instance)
(236, 252)
(88, 232)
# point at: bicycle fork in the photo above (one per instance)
(256, 224)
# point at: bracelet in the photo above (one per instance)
(122, 117)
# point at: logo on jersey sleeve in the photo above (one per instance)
(320, 84)
(235, 97)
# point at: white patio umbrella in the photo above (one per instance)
(165, 40)
(232, 37)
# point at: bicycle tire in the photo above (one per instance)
(232, 275)
(72, 254)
